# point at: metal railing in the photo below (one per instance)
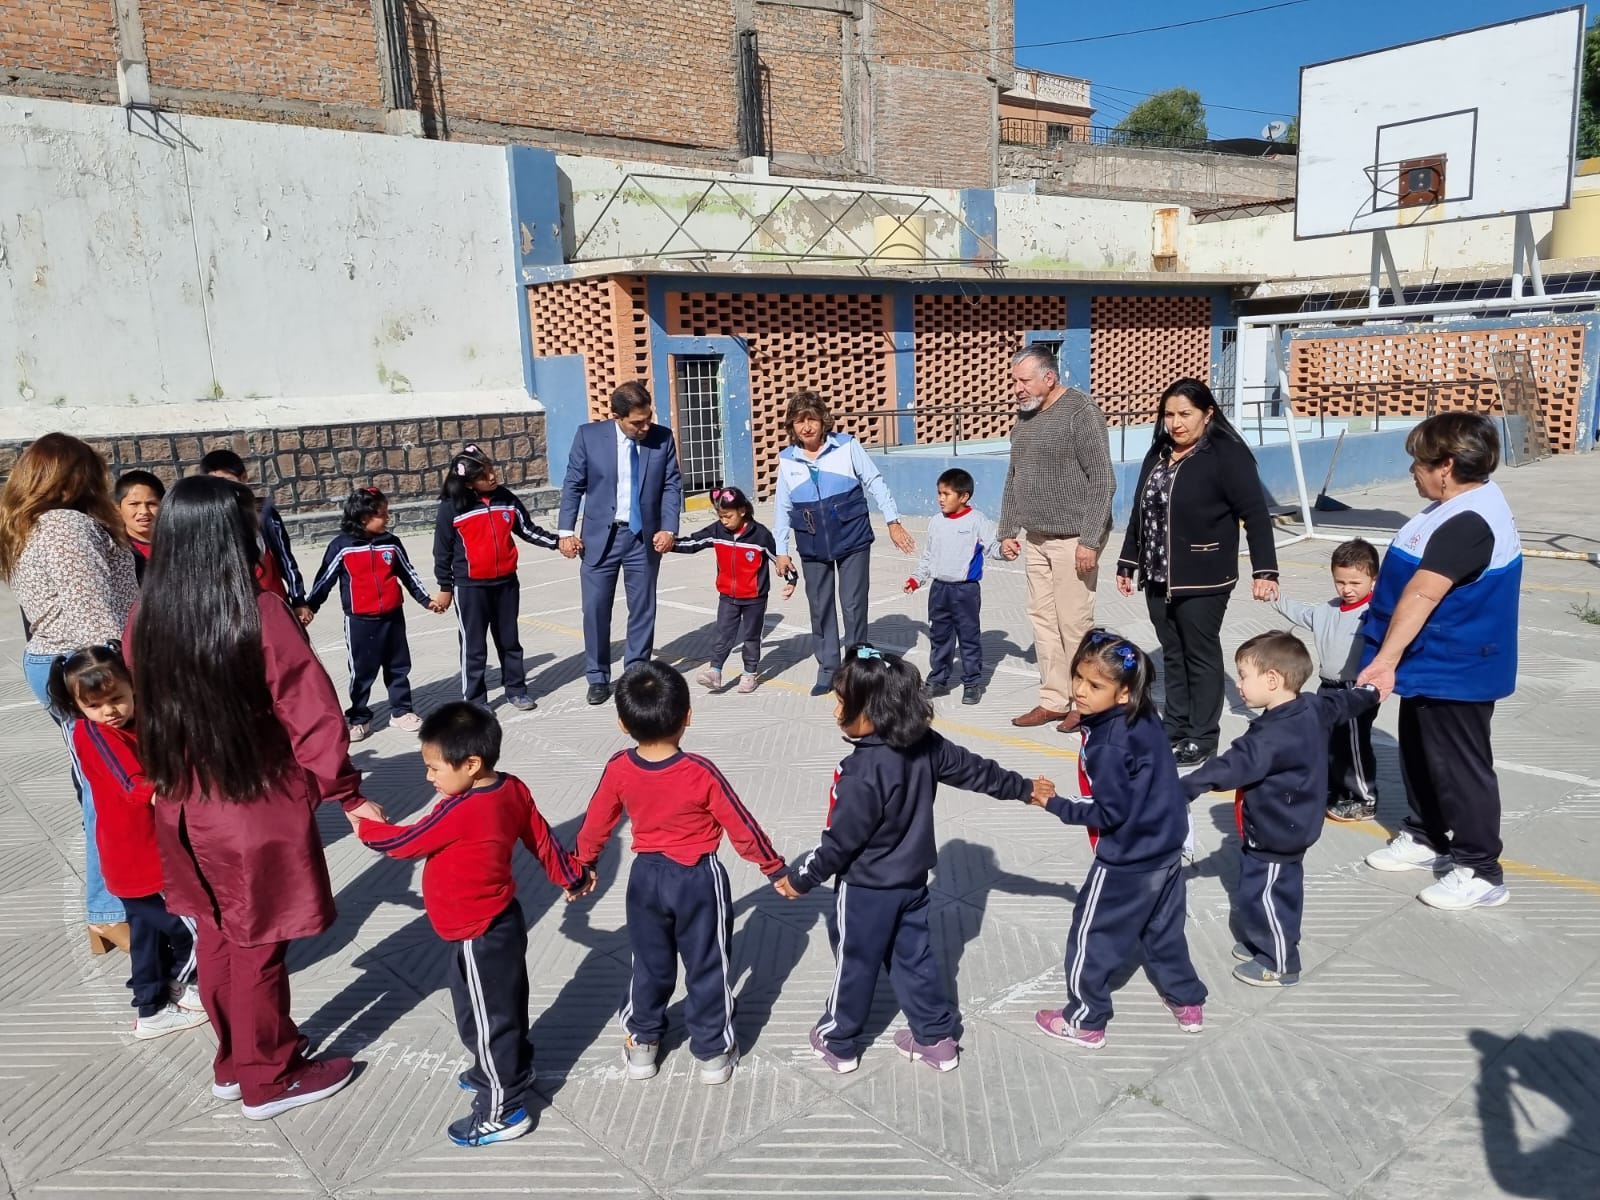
(1022, 131)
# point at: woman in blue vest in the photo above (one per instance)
(1442, 632)
(824, 479)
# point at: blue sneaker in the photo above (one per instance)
(473, 1130)
(522, 703)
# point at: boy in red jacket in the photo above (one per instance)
(678, 904)
(471, 900)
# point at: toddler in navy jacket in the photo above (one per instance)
(879, 842)
(1279, 768)
(371, 567)
(1138, 818)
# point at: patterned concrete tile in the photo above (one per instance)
(1137, 1150)
(980, 955)
(1008, 1105)
(1316, 1111)
(827, 1152)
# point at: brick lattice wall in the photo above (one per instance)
(322, 51)
(836, 346)
(1138, 345)
(605, 321)
(1413, 374)
(310, 468)
(964, 349)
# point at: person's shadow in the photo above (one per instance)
(1556, 1072)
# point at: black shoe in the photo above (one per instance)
(821, 688)
(939, 687)
(972, 693)
(1189, 754)
(599, 693)
(1352, 810)
(484, 1131)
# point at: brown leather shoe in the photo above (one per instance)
(1037, 715)
(1068, 725)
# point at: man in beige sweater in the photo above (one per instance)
(1058, 490)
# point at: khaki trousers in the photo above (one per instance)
(1061, 607)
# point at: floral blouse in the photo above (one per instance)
(76, 586)
(1153, 513)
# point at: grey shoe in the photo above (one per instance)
(522, 702)
(358, 731)
(640, 1058)
(1257, 975)
(709, 679)
(747, 683)
(1243, 953)
(718, 1069)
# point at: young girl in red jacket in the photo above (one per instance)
(94, 684)
(241, 734)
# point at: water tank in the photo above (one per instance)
(1575, 231)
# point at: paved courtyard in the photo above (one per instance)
(1424, 1054)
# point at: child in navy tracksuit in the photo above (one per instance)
(471, 900)
(370, 566)
(1279, 767)
(277, 571)
(678, 902)
(879, 842)
(1138, 817)
(475, 562)
(745, 551)
(952, 556)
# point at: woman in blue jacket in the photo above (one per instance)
(824, 479)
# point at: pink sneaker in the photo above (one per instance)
(1055, 1023)
(1191, 1018)
(836, 1064)
(942, 1055)
(709, 679)
(747, 683)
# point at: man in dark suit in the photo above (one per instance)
(625, 474)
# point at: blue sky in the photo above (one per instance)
(1249, 62)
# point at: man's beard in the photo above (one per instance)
(1030, 406)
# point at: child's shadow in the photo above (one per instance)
(766, 952)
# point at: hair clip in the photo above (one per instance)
(864, 652)
(461, 468)
(1130, 659)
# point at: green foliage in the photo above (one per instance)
(1589, 95)
(1293, 136)
(1173, 114)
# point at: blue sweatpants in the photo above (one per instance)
(953, 618)
(676, 912)
(1267, 907)
(872, 929)
(1117, 910)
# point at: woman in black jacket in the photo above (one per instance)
(1197, 484)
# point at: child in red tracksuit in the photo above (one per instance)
(471, 900)
(475, 562)
(94, 683)
(371, 567)
(678, 902)
(745, 551)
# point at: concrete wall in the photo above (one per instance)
(204, 262)
(1202, 179)
(1068, 233)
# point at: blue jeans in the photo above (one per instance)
(100, 906)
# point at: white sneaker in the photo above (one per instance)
(186, 996)
(406, 722)
(1405, 853)
(709, 679)
(358, 731)
(170, 1019)
(1463, 889)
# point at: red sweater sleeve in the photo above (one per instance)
(110, 766)
(605, 811)
(557, 864)
(434, 832)
(306, 705)
(747, 836)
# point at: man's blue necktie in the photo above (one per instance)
(635, 523)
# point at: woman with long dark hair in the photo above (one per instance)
(1197, 484)
(242, 736)
(66, 557)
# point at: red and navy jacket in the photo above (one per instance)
(880, 812)
(290, 584)
(125, 822)
(475, 546)
(1132, 799)
(744, 559)
(370, 571)
(679, 807)
(468, 840)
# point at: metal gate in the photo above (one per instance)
(697, 408)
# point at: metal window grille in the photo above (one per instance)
(698, 405)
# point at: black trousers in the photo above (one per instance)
(739, 622)
(1452, 792)
(160, 951)
(873, 929)
(1352, 767)
(490, 611)
(378, 643)
(1267, 906)
(676, 912)
(953, 618)
(489, 989)
(1116, 911)
(1190, 631)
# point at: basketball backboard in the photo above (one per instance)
(1457, 128)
